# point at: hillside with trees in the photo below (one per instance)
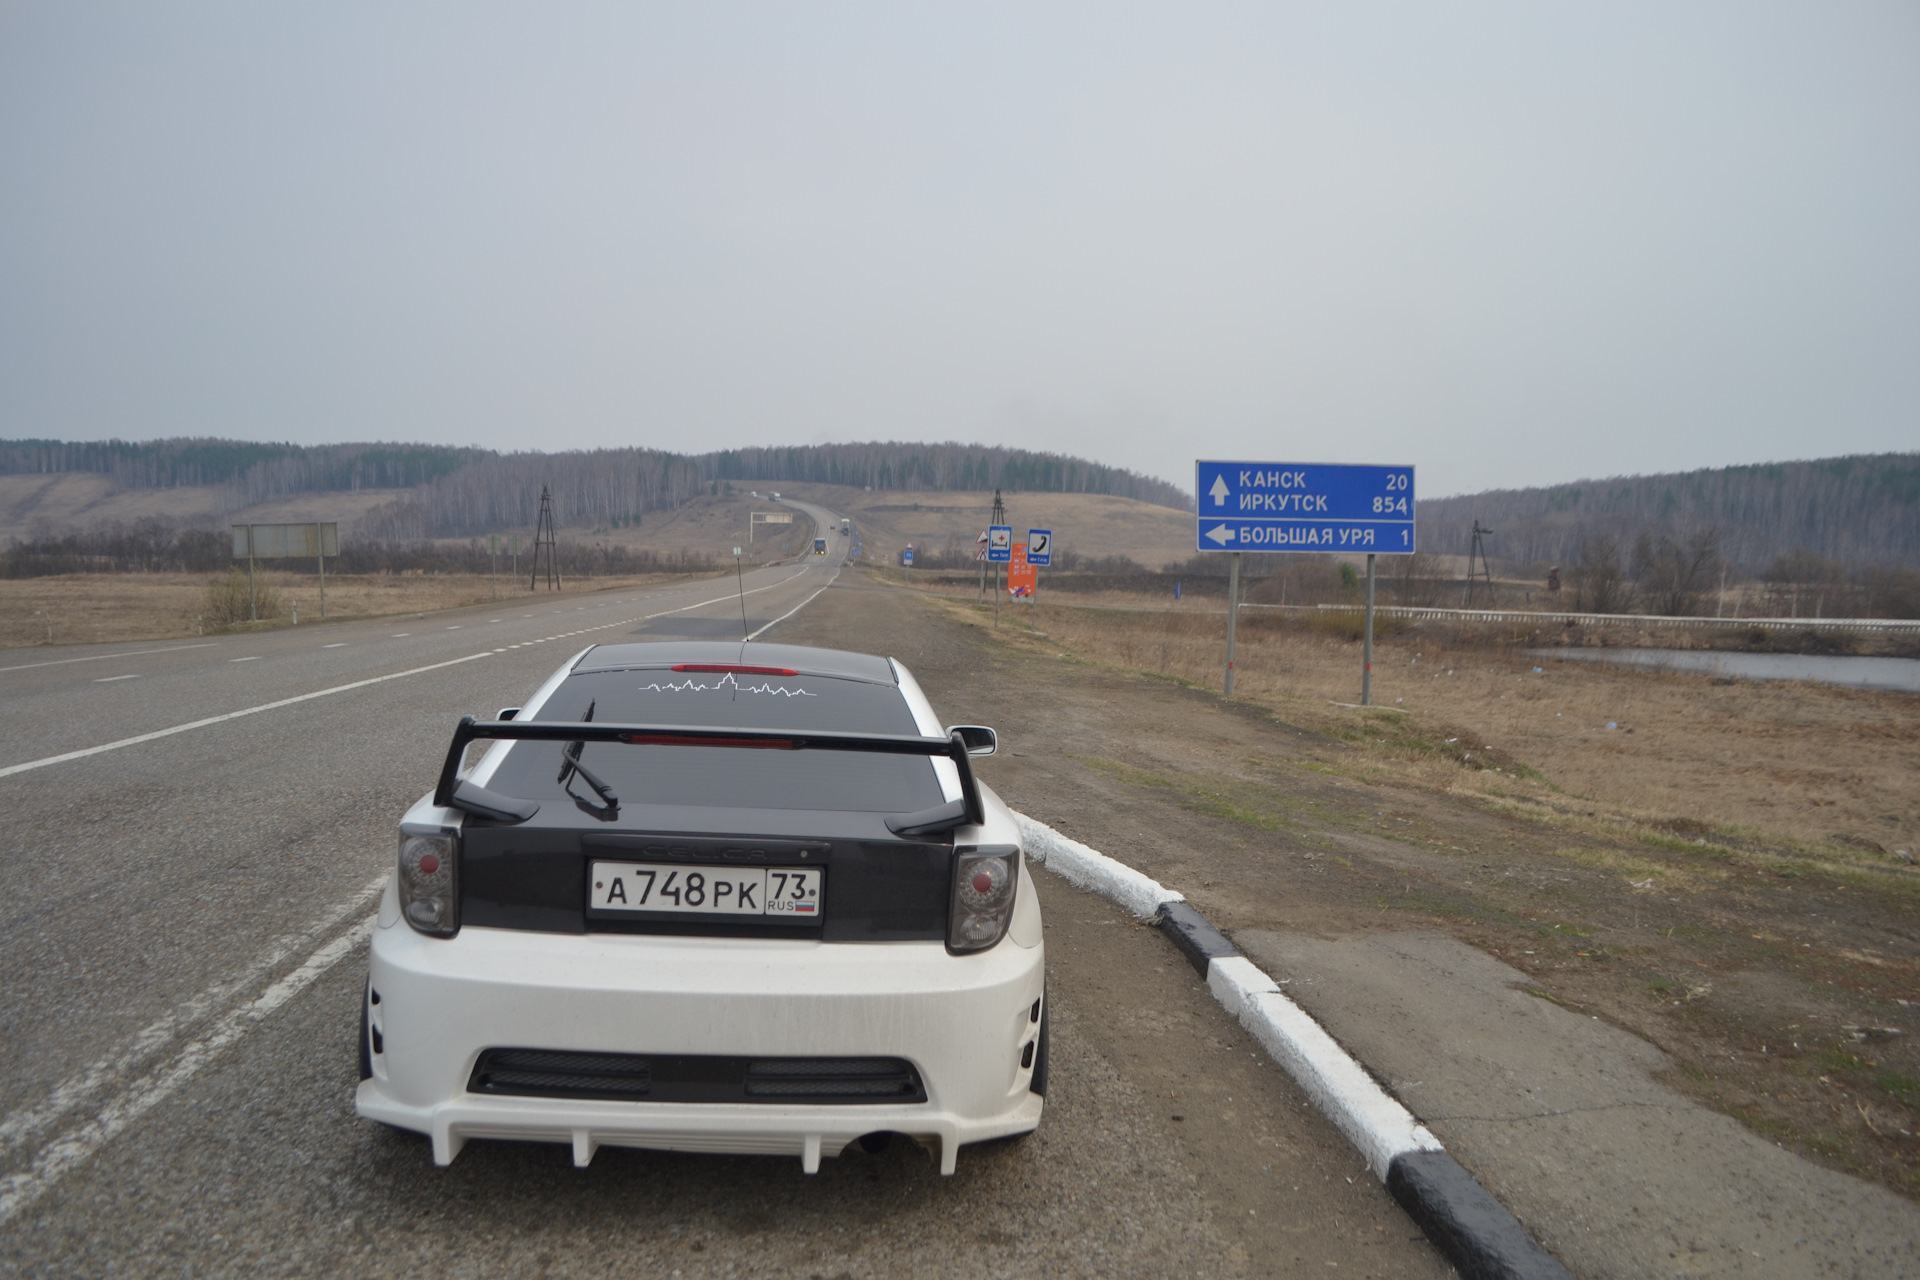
(1860, 512)
(452, 492)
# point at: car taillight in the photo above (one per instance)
(983, 892)
(429, 884)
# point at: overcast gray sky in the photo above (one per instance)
(1511, 243)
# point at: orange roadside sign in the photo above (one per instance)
(1022, 577)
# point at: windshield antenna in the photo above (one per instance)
(740, 577)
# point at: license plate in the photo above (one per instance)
(788, 893)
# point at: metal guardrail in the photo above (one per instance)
(1893, 626)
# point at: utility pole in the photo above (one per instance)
(543, 536)
(999, 517)
(1478, 551)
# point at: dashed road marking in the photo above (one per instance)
(111, 679)
(101, 657)
(84, 752)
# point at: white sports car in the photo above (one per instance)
(710, 897)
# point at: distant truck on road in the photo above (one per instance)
(819, 546)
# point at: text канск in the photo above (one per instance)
(1301, 534)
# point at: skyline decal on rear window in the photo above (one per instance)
(727, 682)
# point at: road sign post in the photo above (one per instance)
(1366, 658)
(1039, 555)
(999, 551)
(1309, 507)
(1233, 616)
(281, 542)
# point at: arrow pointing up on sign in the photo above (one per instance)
(1220, 533)
(1219, 491)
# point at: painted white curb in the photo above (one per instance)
(1377, 1125)
(1091, 869)
(1380, 1128)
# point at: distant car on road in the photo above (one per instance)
(715, 897)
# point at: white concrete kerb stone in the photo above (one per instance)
(1379, 1128)
(1091, 869)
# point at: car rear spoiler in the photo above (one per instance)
(453, 792)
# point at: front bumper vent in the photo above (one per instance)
(551, 1073)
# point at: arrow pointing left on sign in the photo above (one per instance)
(1219, 491)
(1220, 533)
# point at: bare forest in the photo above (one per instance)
(1860, 511)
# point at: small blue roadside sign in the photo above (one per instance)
(1304, 506)
(1040, 547)
(1000, 542)
(906, 557)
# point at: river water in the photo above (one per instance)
(1900, 675)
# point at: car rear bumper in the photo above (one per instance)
(964, 1022)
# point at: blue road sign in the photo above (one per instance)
(1040, 547)
(1304, 506)
(1000, 542)
(906, 557)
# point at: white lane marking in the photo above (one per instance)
(455, 627)
(252, 657)
(111, 679)
(83, 1084)
(726, 598)
(84, 752)
(401, 636)
(797, 608)
(74, 1147)
(97, 657)
(338, 644)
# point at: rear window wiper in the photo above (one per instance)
(570, 765)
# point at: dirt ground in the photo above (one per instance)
(1686, 881)
(122, 608)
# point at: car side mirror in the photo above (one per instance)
(506, 713)
(980, 740)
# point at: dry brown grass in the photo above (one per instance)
(119, 608)
(1086, 524)
(1796, 767)
(1715, 875)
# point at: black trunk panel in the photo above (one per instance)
(876, 890)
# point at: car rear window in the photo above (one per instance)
(727, 776)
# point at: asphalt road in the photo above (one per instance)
(194, 834)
